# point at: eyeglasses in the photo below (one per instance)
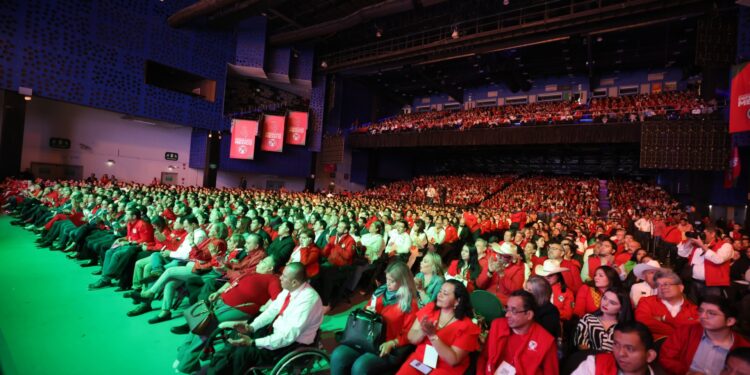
(515, 312)
(664, 285)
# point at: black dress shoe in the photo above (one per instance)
(97, 272)
(72, 255)
(99, 284)
(131, 293)
(122, 289)
(140, 309)
(162, 317)
(180, 330)
(90, 264)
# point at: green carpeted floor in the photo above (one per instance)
(51, 324)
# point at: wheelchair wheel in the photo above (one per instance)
(304, 361)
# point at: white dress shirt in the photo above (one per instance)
(588, 367)
(644, 225)
(437, 235)
(296, 255)
(299, 322)
(373, 243)
(183, 251)
(639, 290)
(723, 254)
(402, 243)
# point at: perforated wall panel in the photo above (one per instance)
(93, 53)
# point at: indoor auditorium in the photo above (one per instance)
(375, 187)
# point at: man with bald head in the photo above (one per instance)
(292, 319)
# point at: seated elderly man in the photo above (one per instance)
(239, 299)
(668, 309)
(294, 316)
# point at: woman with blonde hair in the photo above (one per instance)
(429, 279)
(396, 302)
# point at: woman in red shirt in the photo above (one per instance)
(396, 302)
(588, 298)
(444, 327)
(466, 269)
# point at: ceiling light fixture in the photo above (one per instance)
(323, 64)
(455, 33)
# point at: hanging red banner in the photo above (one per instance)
(296, 128)
(272, 138)
(739, 112)
(243, 139)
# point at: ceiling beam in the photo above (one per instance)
(592, 21)
(202, 8)
(365, 14)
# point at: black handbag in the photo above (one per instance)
(201, 318)
(364, 331)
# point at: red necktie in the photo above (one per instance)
(286, 303)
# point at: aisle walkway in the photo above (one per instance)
(604, 204)
(51, 324)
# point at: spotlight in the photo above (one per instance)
(506, 2)
(27, 98)
(323, 64)
(378, 33)
(455, 34)
(599, 39)
(110, 162)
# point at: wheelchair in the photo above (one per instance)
(303, 360)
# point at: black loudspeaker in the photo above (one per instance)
(12, 119)
(211, 168)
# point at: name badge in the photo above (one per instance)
(430, 356)
(505, 369)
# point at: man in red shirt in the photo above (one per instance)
(703, 347)
(668, 309)
(504, 273)
(632, 353)
(517, 343)
(338, 254)
(116, 258)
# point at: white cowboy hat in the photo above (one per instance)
(549, 267)
(504, 249)
(640, 268)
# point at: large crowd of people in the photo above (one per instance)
(462, 190)
(580, 292)
(667, 105)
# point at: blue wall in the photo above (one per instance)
(295, 161)
(93, 53)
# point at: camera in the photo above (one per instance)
(695, 235)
